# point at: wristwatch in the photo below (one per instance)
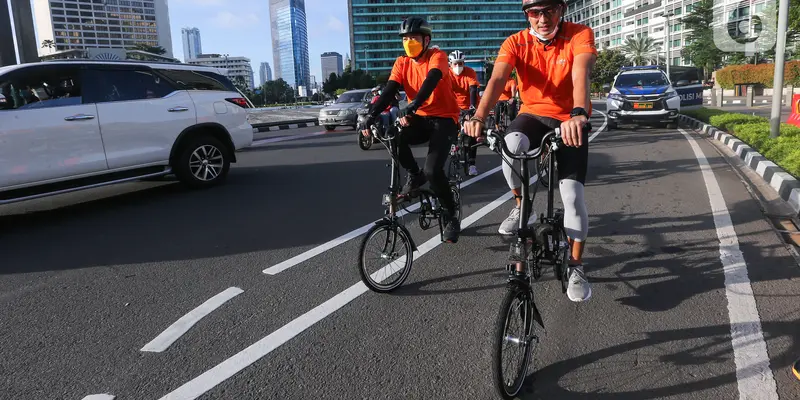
(578, 111)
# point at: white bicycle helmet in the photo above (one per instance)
(456, 56)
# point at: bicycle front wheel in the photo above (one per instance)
(385, 257)
(514, 341)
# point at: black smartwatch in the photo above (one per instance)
(578, 111)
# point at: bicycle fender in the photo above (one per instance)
(386, 222)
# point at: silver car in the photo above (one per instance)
(343, 111)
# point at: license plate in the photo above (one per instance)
(642, 106)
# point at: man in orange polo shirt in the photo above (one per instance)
(431, 116)
(553, 60)
(465, 86)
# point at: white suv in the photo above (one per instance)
(72, 125)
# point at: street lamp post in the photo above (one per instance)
(668, 39)
(780, 59)
(366, 62)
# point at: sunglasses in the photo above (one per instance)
(548, 12)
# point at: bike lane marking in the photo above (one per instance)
(308, 254)
(233, 365)
(753, 373)
(182, 325)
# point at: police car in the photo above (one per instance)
(642, 95)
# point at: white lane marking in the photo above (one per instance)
(753, 372)
(302, 257)
(262, 142)
(241, 360)
(181, 326)
(99, 397)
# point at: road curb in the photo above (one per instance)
(282, 125)
(785, 184)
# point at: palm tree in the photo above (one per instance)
(641, 51)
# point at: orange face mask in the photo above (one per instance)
(413, 48)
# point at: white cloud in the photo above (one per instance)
(335, 24)
(228, 20)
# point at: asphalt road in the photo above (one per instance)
(88, 280)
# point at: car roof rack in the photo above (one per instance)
(643, 67)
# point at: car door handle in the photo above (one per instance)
(79, 117)
(176, 109)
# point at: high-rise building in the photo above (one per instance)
(266, 73)
(331, 64)
(290, 41)
(616, 21)
(192, 46)
(237, 67)
(19, 41)
(88, 24)
(476, 27)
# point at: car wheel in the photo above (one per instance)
(202, 162)
(330, 127)
(612, 125)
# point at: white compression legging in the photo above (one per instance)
(576, 218)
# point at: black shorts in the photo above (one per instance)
(572, 161)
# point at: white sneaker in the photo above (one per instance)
(578, 289)
(472, 170)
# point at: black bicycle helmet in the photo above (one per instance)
(526, 4)
(415, 26)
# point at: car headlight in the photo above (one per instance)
(670, 93)
(616, 96)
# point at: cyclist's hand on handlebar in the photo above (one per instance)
(473, 128)
(403, 116)
(572, 131)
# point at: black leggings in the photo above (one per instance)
(439, 133)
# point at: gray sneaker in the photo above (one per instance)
(579, 289)
(510, 225)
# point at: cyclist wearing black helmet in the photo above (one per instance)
(431, 116)
(553, 59)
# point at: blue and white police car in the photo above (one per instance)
(643, 95)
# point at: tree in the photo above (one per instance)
(277, 91)
(701, 50)
(331, 84)
(608, 64)
(641, 51)
(150, 49)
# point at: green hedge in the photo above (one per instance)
(784, 151)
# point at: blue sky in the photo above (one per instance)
(241, 28)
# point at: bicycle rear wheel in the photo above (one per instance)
(390, 246)
(513, 339)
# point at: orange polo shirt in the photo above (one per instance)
(410, 74)
(461, 84)
(545, 73)
(506, 95)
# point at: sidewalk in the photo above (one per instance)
(759, 110)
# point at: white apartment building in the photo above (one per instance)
(614, 21)
(236, 66)
(91, 24)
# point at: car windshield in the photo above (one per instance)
(356, 97)
(634, 80)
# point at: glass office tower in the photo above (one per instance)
(476, 27)
(290, 41)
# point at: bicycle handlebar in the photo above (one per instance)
(554, 136)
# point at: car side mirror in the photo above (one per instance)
(682, 82)
(607, 87)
